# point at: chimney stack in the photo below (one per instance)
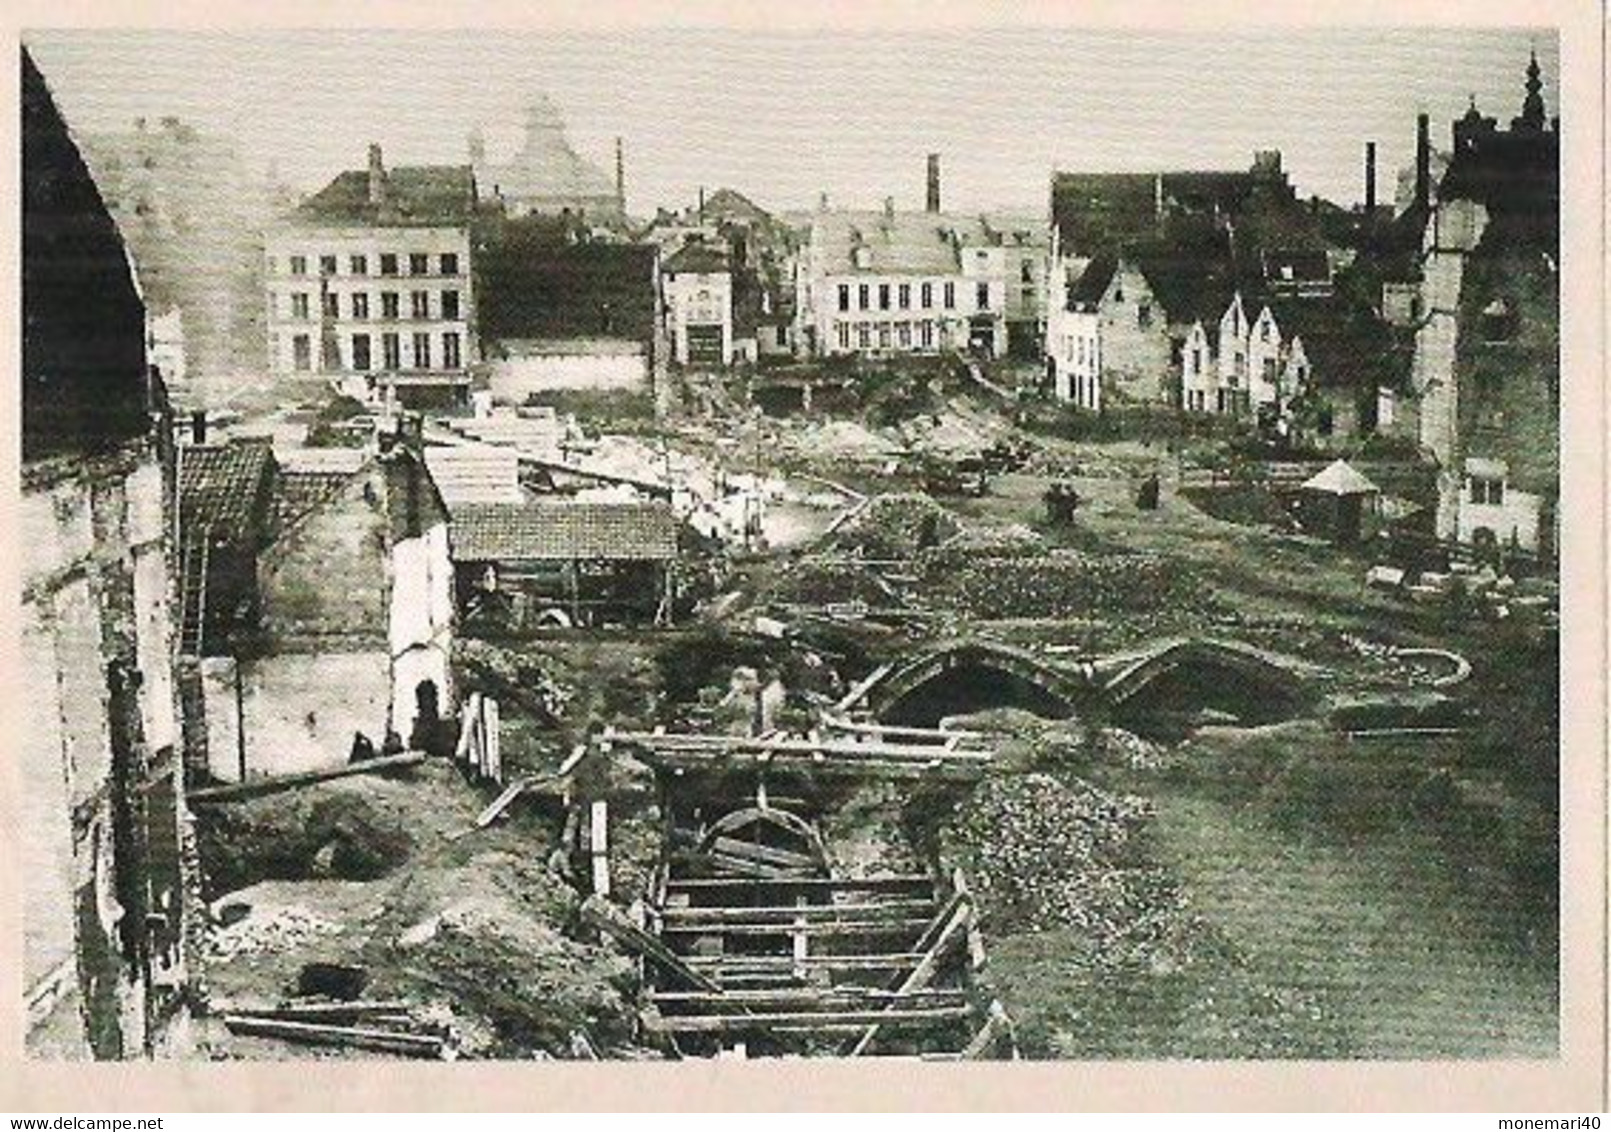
(1370, 178)
(889, 208)
(198, 426)
(620, 175)
(701, 204)
(377, 177)
(934, 183)
(822, 202)
(1423, 160)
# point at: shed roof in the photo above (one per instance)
(1340, 478)
(528, 532)
(225, 486)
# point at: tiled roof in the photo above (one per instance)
(415, 195)
(504, 532)
(905, 243)
(1093, 282)
(225, 487)
(1347, 347)
(696, 258)
(298, 494)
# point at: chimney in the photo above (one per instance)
(1370, 178)
(1423, 160)
(620, 175)
(478, 148)
(934, 183)
(822, 202)
(198, 426)
(377, 177)
(889, 208)
(701, 204)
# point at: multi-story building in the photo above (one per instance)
(697, 283)
(370, 284)
(902, 283)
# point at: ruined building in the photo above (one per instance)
(109, 879)
(1487, 353)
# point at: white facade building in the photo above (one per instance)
(696, 282)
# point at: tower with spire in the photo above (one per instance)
(1532, 115)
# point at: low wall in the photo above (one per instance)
(603, 364)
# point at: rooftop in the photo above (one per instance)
(225, 486)
(562, 532)
(898, 243)
(415, 196)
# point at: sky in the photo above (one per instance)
(783, 116)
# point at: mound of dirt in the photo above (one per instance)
(898, 525)
(487, 937)
(356, 828)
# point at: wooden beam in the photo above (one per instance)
(598, 912)
(385, 1041)
(804, 884)
(236, 791)
(826, 928)
(766, 854)
(924, 971)
(785, 1021)
(806, 999)
(785, 913)
(784, 964)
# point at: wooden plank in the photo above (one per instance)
(783, 964)
(691, 743)
(937, 767)
(386, 1041)
(754, 870)
(806, 999)
(826, 928)
(487, 816)
(598, 912)
(493, 749)
(729, 1023)
(810, 913)
(598, 827)
(994, 1027)
(828, 884)
(861, 688)
(257, 786)
(312, 1011)
(766, 854)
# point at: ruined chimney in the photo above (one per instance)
(377, 177)
(1370, 178)
(1423, 160)
(934, 183)
(701, 204)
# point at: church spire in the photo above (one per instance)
(1532, 115)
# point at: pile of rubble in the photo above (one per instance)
(276, 930)
(898, 525)
(1063, 584)
(1042, 853)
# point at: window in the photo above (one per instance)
(1118, 294)
(388, 263)
(950, 296)
(422, 351)
(358, 264)
(391, 351)
(903, 335)
(449, 263)
(299, 265)
(844, 327)
(1487, 490)
(925, 332)
(883, 336)
(1143, 314)
(332, 304)
(420, 304)
(327, 265)
(1269, 370)
(883, 296)
(1082, 351)
(1197, 359)
(360, 351)
(450, 350)
(864, 335)
(844, 297)
(450, 304)
(302, 352)
(905, 296)
(1027, 273)
(299, 305)
(419, 263)
(388, 304)
(927, 296)
(982, 294)
(863, 299)
(360, 304)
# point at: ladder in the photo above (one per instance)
(193, 595)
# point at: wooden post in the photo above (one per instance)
(240, 720)
(599, 845)
(801, 948)
(494, 752)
